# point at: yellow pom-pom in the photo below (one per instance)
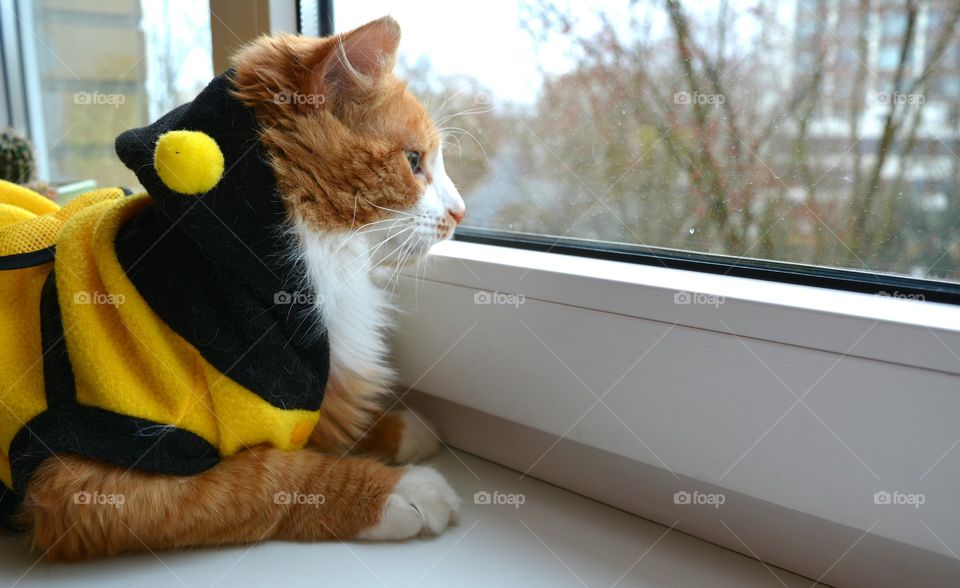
(188, 162)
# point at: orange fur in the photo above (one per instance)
(327, 151)
(384, 437)
(350, 405)
(381, 439)
(234, 502)
(323, 156)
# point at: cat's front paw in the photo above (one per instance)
(417, 439)
(422, 503)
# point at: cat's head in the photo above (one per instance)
(352, 150)
(317, 134)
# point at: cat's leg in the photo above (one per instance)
(352, 421)
(256, 495)
(400, 436)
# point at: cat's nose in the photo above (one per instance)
(456, 214)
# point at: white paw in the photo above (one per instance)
(417, 441)
(422, 502)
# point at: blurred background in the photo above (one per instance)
(821, 132)
(812, 131)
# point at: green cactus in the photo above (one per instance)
(16, 157)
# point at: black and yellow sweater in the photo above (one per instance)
(151, 331)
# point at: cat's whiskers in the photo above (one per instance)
(364, 269)
(401, 260)
(394, 222)
(400, 212)
(371, 251)
(447, 101)
(422, 262)
(356, 200)
(451, 139)
(377, 222)
(444, 143)
(367, 256)
(464, 112)
(358, 232)
(410, 253)
(395, 276)
(451, 130)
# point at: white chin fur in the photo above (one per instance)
(353, 310)
(348, 273)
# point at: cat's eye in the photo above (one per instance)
(413, 158)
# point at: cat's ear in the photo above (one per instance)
(359, 62)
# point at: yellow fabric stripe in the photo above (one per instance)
(246, 420)
(25, 198)
(24, 231)
(21, 369)
(10, 215)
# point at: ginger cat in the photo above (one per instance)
(357, 164)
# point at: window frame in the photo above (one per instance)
(22, 92)
(849, 280)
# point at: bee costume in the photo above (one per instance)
(155, 331)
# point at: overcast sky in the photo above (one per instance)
(480, 39)
(485, 41)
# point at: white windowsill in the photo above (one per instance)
(927, 334)
(797, 402)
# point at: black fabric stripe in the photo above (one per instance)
(9, 503)
(123, 441)
(28, 259)
(57, 370)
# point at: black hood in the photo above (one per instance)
(240, 223)
(216, 265)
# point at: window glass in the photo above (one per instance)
(95, 68)
(788, 131)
